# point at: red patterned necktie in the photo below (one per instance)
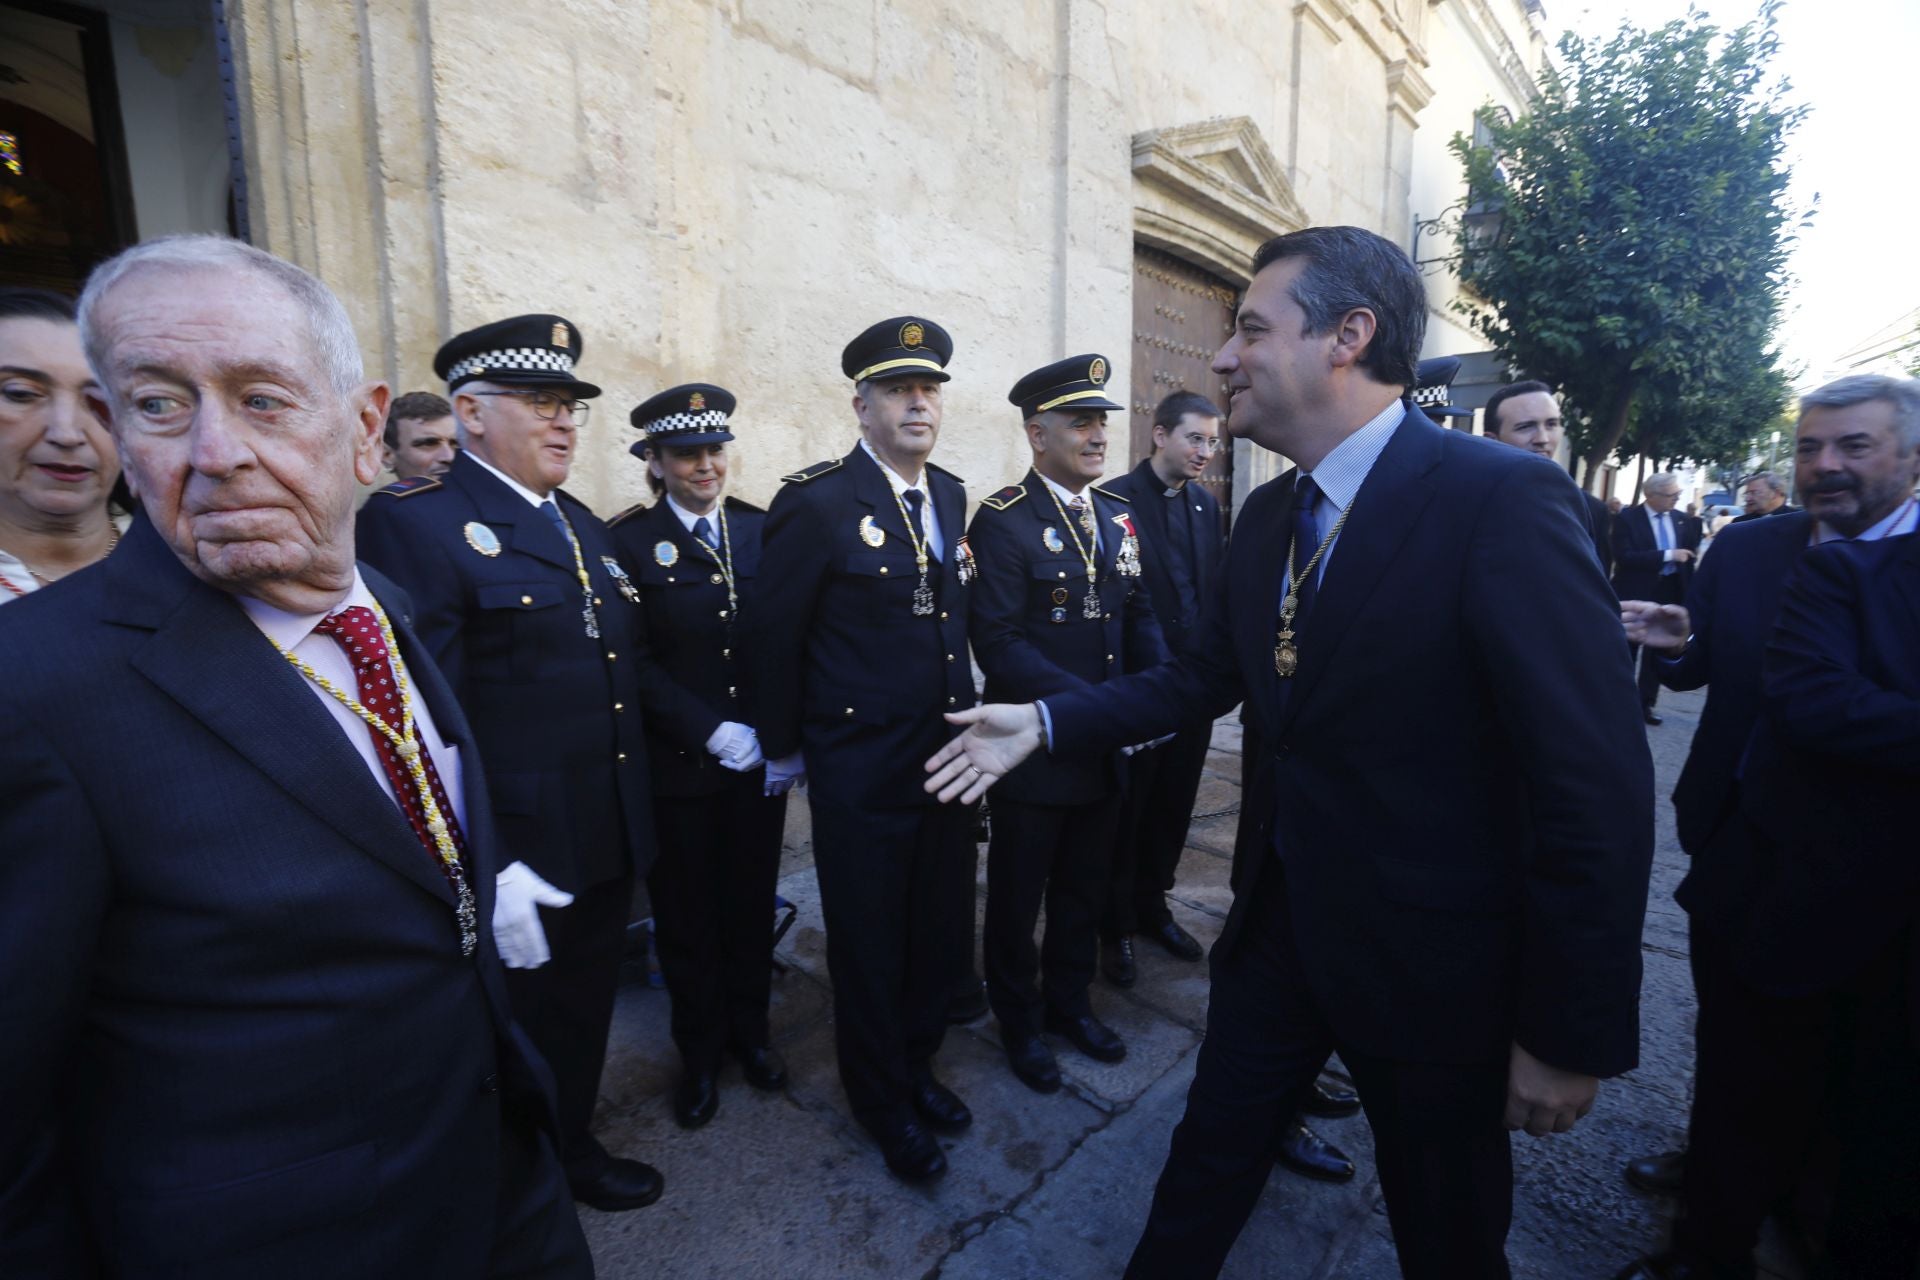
(357, 631)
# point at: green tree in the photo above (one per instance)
(1640, 260)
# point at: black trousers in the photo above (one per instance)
(536, 1231)
(566, 1005)
(1759, 1089)
(1056, 854)
(1439, 1129)
(1666, 590)
(1154, 816)
(712, 890)
(896, 889)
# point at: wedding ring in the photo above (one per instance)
(975, 769)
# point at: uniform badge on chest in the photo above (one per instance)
(1050, 536)
(872, 534)
(964, 564)
(620, 579)
(665, 553)
(482, 539)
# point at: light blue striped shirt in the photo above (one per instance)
(1342, 472)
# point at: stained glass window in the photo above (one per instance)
(10, 154)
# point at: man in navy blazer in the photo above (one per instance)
(1655, 551)
(1442, 862)
(250, 1030)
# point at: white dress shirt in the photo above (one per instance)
(1344, 469)
(688, 519)
(532, 497)
(929, 518)
(295, 633)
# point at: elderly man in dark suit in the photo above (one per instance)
(1442, 863)
(1654, 550)
(1763, 495)
(254, 1018)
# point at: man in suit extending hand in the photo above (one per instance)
(253, 1015)
(1442, 863)
(1654, 549)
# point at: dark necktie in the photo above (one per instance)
(357, 631)
(1306, 541)
(703, 530)
(551, 510)
(916, 500)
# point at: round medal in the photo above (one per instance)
(482, 539)
(872, 534)
(666, 554)
(1051, 536)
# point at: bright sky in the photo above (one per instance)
(1858, 265)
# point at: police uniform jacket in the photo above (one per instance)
(557, 714)
(838, 662)
(692, 676)
(1030, 633)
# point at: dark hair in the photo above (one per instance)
(1181, 403)
(1351, 268)
(23, 302)
(1507, 393)
(415, 406)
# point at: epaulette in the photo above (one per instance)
(1005, 498)
(633, 510)
(741, 504)
(813, 472)
(407, 488)
(948, 474)
(1108, 493)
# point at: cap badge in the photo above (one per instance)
(1051, 536)
(697, 402)
(912, 334)
(560, 338)
(482, 539)
(666, 554)
(1097, 372)
(872, 534)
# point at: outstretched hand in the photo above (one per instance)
(998, 737)
(1658, 626)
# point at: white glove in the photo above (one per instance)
(519, 893)
(784, 774)
(736, 746)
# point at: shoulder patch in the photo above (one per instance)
(948, 474)
(630, 512)
(407, 488)
(1005, 498)
(813, 472)
(1108, 493)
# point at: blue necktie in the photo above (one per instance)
(704, 531)
(551, 510)
(915, 501)
(1306, 541)
(1665, 543)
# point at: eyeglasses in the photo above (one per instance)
(546, 405)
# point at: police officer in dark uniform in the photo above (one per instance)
(695, 555)
(1059, 604)
(516, 591)
(857, 646)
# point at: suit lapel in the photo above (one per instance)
(520, 525)
(871, 487)
(1383, 513)
(1255, 574)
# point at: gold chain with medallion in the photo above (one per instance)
(1087, 547)
(922, 594)
(1286, 657)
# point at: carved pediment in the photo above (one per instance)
(1212, 192)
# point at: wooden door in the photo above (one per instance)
(1181, 317)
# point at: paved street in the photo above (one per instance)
(1056, 1187)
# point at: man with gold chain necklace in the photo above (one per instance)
(1059, 604)
(518, 591)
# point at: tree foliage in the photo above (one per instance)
(1640, 264)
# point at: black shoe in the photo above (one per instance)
(1180, 944)
(968, 1007)
(1668, 1266)
(1659, 1175)
(939, 1106)
(1033, 1062)
(1116, 961)
(695, 1099)
(620, 1185)
(1330, 1101)
(1650, 717)
(1310, 1155)
(1089, 1035)
(763, 1067)
(910, 1151)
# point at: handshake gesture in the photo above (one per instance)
(998, 737)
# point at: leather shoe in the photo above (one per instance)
(1327, 1101)
(695, 1099)
(764, 1068)
(620, 1184)
(1659, 1175)
(1668, 1266)
(910, 1151)
(966, 1008)
(1089, 1035)
(1180, 944)
(939, 1106)
(1116, 961)
(1307, 1153)
(1651, 718)
(1033, 1062)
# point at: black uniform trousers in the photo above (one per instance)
(1666, 590)
(712, 889)
(1439, 1129)
(1161, 785)
(566, 1006)
(1058, 854)
(896, 891)
(536, 1231)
